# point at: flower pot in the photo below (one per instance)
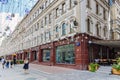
(92, 69)
(89, 68)
(96, 67)
(115, 71)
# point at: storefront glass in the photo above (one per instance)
(46, 55)
(35, 55)
(65, 54)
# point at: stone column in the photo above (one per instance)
(81, 53)
(52, 54)
(17, 56)
(40, 55)
(23, 56)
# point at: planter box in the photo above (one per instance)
(116, 72)
(90, 69)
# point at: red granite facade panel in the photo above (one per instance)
(39, 55)
(52, 54)
(31, 56)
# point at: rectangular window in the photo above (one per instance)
(41, 37)
(112, 35)
(35, 14)
(70, 3)
(64, 29)
(97, 8)
(63, 8)
(45, 36)
(42, 24)
(49, 33)
(71, 28)
(65, 54)
(35, 27)
(38, 25)
(88, 25)
(50, 17)
(46, 55)
(104, 14)
(46, 4)
(45, 20)
(88, 3)
(57, 12)
(104, 33)
(98, 30)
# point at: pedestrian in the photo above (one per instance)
(11, 63)
(26, 65)
(7, 64)
(14, 61)
(0, 58)
(3, 62)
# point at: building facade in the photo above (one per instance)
(115, 20)
(60, 33)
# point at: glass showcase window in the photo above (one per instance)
(65, 54)
(46, 55)
(35, 55)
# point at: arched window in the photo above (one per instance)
(41, 37)
(63, 29)
(88, 25)
(71, 28)
(104, 31)
(56, 29)
(98, 29)
(88, 3)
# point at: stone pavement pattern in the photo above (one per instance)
(40, 72)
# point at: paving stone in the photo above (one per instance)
(41, 72)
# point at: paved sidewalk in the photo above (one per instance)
(40, 72)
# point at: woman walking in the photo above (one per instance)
(26, 65)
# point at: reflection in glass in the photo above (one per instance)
(46, 55)
(65, 54)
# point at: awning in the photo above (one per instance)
(109, 43)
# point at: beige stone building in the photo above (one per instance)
(59, 32)
(115, 20)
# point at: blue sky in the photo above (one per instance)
(17, 6)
